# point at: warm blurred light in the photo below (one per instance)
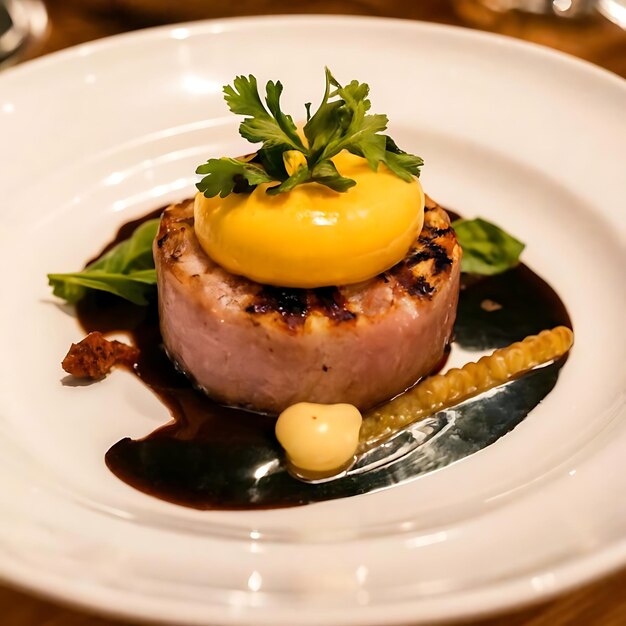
(615, 10)
(562, 6)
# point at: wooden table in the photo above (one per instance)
(602, 603)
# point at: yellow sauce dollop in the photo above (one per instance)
(313, 236)
(319, 438)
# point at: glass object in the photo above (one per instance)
(22, 22)
(559, 8)
(614, 10)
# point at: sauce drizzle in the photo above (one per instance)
(213, 457)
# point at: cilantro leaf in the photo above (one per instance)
(301, 175)
(126, 270)
(271, 160)
(273, 130)
(322, 126)
(274, 90)
(487, 249)
(326, 173)
(403, 165)
(223, 176)
(341, 122)
(354, 130)
(400, 162)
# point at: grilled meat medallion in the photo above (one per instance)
(265, 348)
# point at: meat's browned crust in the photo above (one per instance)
(423, 272)
(95, 355)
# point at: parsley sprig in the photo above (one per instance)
(341, 122)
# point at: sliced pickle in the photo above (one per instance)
(459, 384)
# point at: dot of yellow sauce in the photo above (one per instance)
(319, 438)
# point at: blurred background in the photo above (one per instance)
(590, 29)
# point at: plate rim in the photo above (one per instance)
(243, 22)
(575, 570)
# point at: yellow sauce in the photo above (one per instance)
(319, 438)
(313, 236)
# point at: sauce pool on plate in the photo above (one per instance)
(215, 457)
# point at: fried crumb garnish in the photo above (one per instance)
(95, 355)
(490, 305)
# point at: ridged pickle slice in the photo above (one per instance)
(459, 384)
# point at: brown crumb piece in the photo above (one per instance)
(490, 305)
(94, 356)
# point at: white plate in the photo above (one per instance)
(96, 135)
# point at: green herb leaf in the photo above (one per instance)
(132, 254)
(126, 270)
(341, 122)
(135, 286)
(357, 131)
(223, 176)
(326, 173)
(271, 160)
(400, 162)
(487, 249)
(322, 127)
(301, 175)
(275, 130)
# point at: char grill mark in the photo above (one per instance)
(416, 286)
(436, 232)
(430, 250)
(295, 305)
(433, 248)
(291, 304)
(330, 302)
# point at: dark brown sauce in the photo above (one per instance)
(212, 457)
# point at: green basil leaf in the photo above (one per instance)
(136, 286)
(126, 270)
(487, 249)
